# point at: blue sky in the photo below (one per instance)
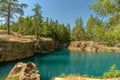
(65, 11)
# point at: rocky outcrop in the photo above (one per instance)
(91, 46)
(86, 46)
(43, 45)
(23, 71)
(17, 46)
(12, 49)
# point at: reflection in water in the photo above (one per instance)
(68, 62)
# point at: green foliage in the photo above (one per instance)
(37, 19)
(62, 75)
(112, 73)
(95, 30)
(78, 32)
(9, 9)
(114, 19)
(25, 26)
(112, 36)
(99, 33)
(105, 7)
(34, 25)
(90, 28)
(107, 32)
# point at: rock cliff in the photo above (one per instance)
(91, 46)
(24, 71)
(17, 46)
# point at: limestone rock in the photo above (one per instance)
(23, 71)
(17, 46)
(88, 46)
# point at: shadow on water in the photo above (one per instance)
(68, 62)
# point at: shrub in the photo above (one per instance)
(112, 73)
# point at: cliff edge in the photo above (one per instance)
(17, 46)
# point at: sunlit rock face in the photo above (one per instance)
(91, 46)
(17, 46)
(24, 71)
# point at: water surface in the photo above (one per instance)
(68, 62)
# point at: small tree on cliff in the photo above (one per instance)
(9, 9)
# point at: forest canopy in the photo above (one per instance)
(95, 30)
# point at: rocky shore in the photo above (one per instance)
(90, 46)
(83, 78)
(17, 46)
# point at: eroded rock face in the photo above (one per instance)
(17, 46)
(88, 46)
(23, 71)
(13, 50)
(43, 46)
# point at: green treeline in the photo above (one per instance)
(105, 27)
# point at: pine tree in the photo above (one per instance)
(90, 28)
(37, 19)
(78, 32)
(8, 9)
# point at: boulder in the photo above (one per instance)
(24, 71)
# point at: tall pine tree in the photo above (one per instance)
(8, 10)
(78, 32)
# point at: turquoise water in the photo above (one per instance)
(68, 62)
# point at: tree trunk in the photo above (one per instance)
(8, 20)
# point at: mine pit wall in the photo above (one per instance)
(14, 50)
(90, 46)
